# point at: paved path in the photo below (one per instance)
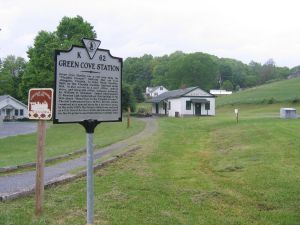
(26, 181)
(15, 128)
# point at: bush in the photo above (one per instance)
(271, 100)
(296, 100)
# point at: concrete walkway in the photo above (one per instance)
(24, 182)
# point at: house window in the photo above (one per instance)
(21, 112)
(188, 105)
(207, 106)
(16, 112)
(169, 105)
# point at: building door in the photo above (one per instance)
(156, 108)
(197, 109)
(8, 113)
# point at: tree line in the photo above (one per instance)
(177, 70)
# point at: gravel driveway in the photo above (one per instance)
(16, 128)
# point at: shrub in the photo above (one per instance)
(271, 100)
(296, 100)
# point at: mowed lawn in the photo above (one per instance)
(61, 139)
(280, 91)
(206, 170)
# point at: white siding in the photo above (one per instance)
(176, 106)
(198, 92)
(179, 105)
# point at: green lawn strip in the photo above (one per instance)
(206, 170)
(62, 139)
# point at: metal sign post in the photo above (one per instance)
(236, 111)
(40, 108)
(90, 126)
(88, 84)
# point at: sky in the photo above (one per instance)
(241, 29)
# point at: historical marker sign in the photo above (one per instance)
(87, 84)
(40, 103)
(87, 91)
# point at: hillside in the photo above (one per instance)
(281, 91)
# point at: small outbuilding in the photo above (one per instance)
(191, 101)
(288, 113)
(11, 108)
(220, 92)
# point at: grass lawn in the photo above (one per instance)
(61, 139)
(281, 91)
(206, 170)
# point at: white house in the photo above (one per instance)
(11, 108)
(155, 91)
(191, 101)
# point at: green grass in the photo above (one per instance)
(206, 170)
(146, 107)
(61, 139)
(282, 91)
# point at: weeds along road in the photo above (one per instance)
(24, 182)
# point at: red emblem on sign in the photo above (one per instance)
(40, 103)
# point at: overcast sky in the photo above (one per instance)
(241, 29)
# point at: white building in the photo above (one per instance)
(155, 91)
(191, 101)
(220, 92)
(11, 108)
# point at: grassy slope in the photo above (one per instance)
(216, 172)
(282, 91)
(62, 139)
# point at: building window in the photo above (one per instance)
(169, 105)
(16, 112)
(188, 105)
(207, 106)
(21, 112)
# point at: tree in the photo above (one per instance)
(12, 69)
(225, 72)
(70, 31)
(128, 99)
(227, 85)
(268, 71)
(138, 71)
(196, 69)
(138, 93)
(40, 70)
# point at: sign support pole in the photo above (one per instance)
(90, 126)
(40, 164)
(89, 177)
(128, 118)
